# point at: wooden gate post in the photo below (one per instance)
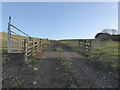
(90, 47)
(25, 50)
(78, 45)
(40, 44)
(37, 45)
(84, 46)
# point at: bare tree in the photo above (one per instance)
(110, 31)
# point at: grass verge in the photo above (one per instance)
(104, 54)
(73, 82)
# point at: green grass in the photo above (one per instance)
(4, 40)
(59, 49)
(72, 43)
(104, 54)
(66, 63)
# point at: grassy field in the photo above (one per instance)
(73, 43)
(104, 54)
(16, 43)
(4, 39)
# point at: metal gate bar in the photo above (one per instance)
(13, 45)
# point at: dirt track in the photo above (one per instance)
(47, 71)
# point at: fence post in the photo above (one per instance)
(90, 47)
(40, 45)
(84, 46)
(37, 45)
(9, 35)
(78, 45)
(33, 47)
(23, 46)
(25, 50)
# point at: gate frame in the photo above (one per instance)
(9, 37)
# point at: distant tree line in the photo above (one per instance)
(108, 34)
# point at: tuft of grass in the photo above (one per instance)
(73, 86)
(69, 71)
(15, 84)
(59, 49)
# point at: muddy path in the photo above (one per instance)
(46, 71)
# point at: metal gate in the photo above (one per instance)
(15, 40)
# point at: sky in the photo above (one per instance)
(61, 20)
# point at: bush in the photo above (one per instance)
(103, 36)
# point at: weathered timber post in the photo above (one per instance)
(36, 47)
(22, 45)
(40, 44)
(90, 51)
(78, 45)
(37, 44)
(90, 45)
(25, 50)
(33, 47)
(84, 46)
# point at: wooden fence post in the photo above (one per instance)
(25, 50)
(90, 44)
(22, 46)
(33, 47)
(40, 47)
(37, 44)
(84, 46)
(78, 45)
(90, 47)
